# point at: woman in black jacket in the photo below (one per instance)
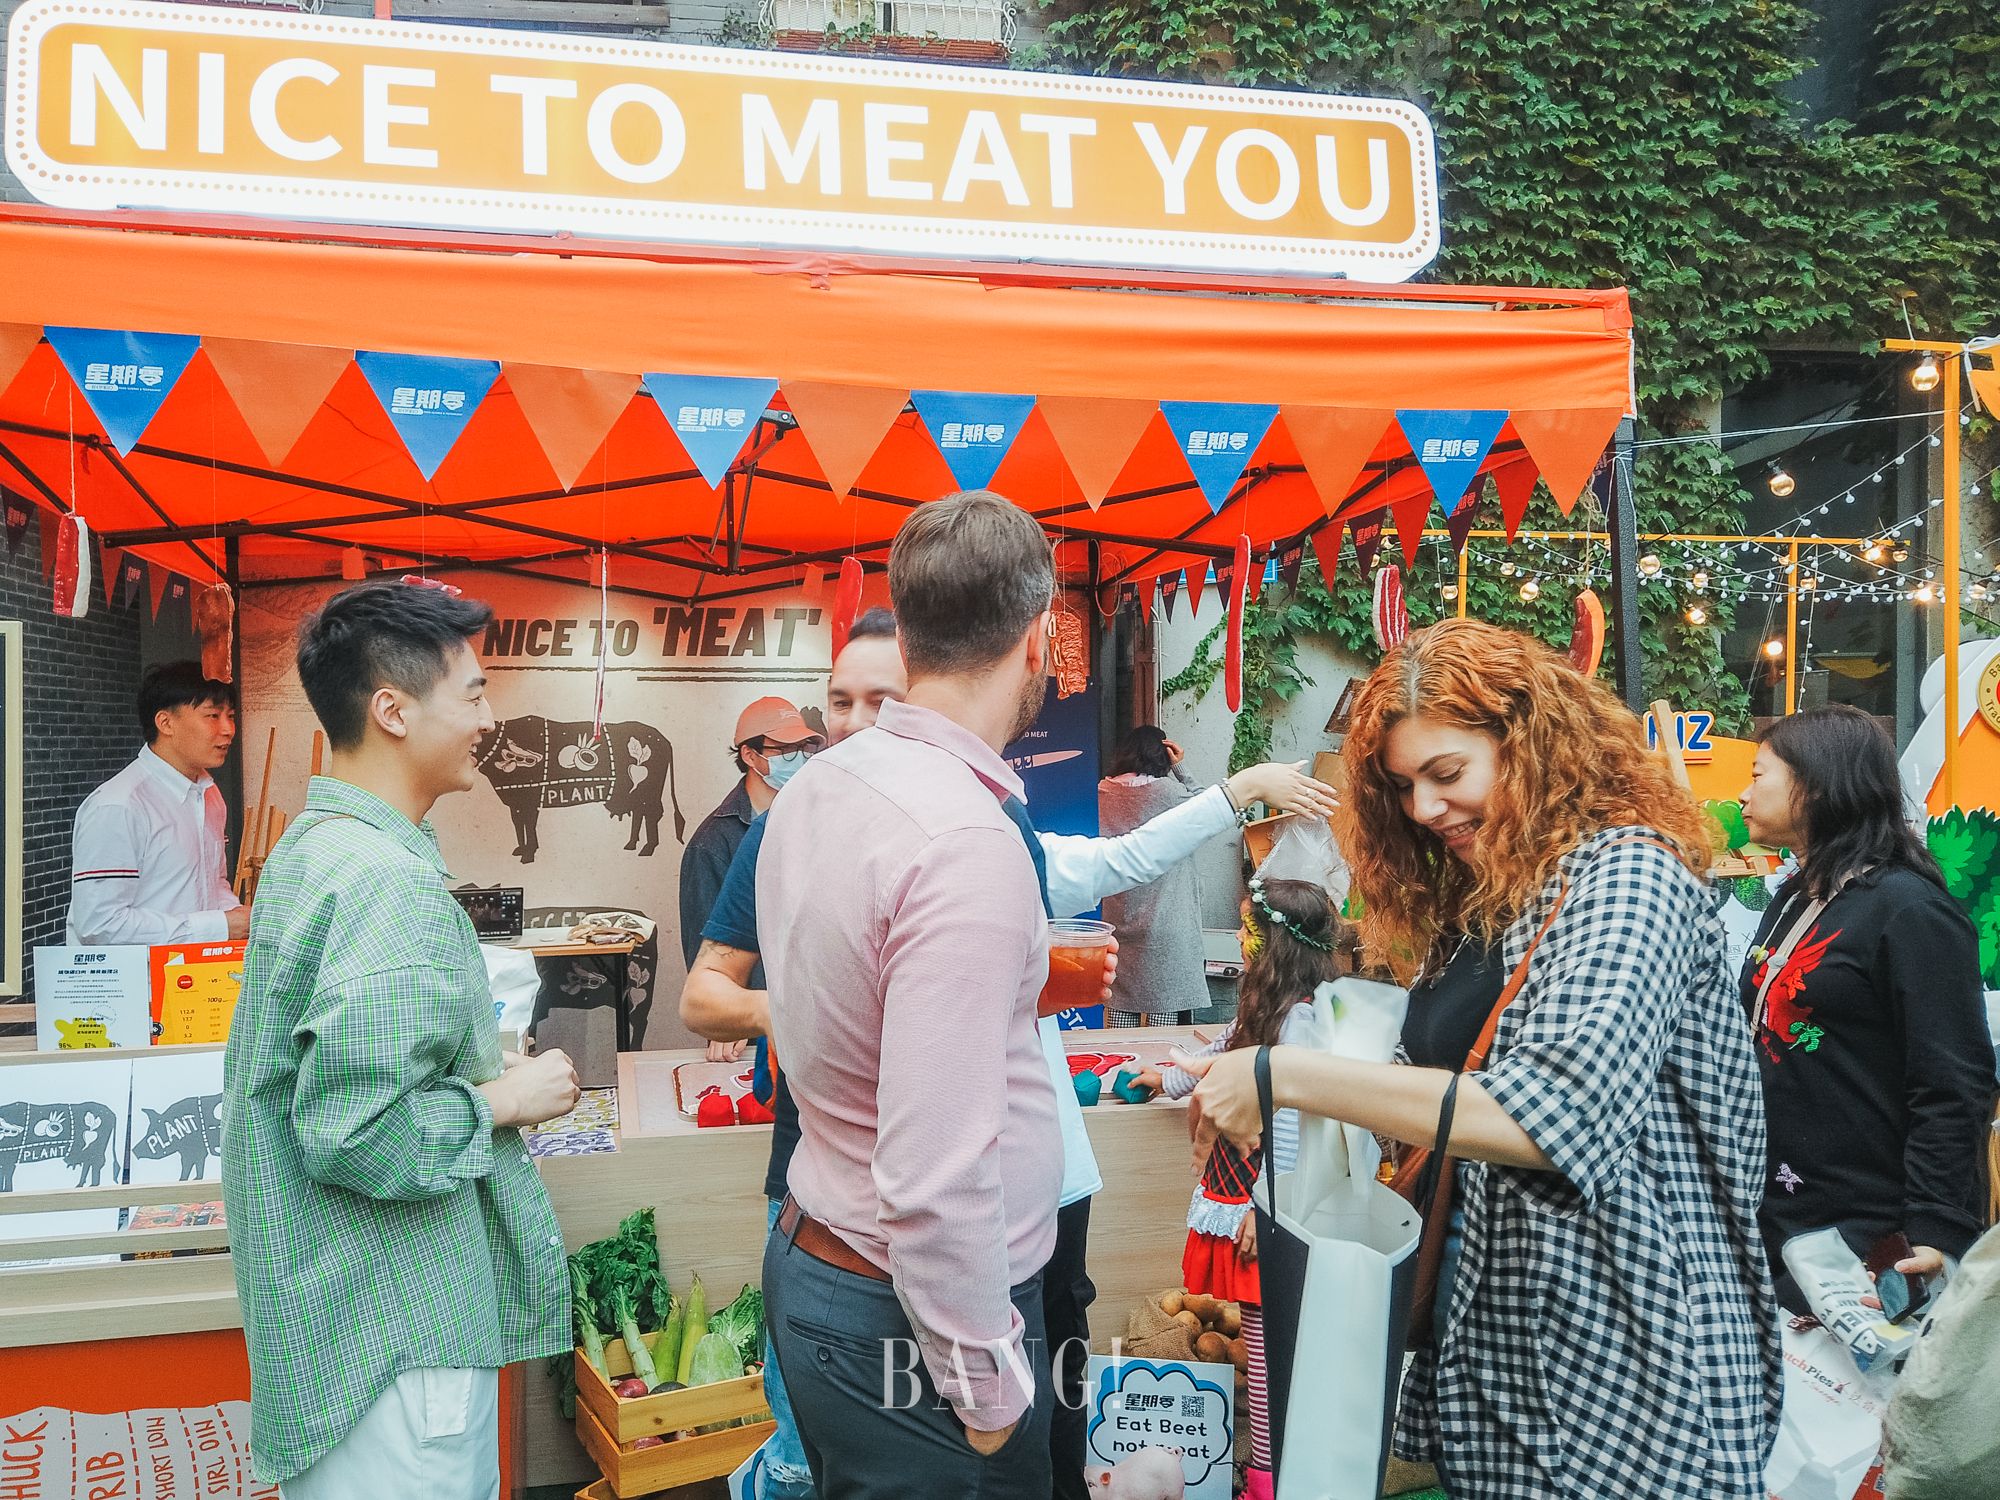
(1863, 988)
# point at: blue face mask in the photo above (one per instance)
(782, 768)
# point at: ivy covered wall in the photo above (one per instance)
(1597, 142)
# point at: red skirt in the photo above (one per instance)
(1209, 1264)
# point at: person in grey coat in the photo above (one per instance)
(1160, 971)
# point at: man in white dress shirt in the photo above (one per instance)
(149, 864)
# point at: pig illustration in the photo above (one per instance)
(1149, 1474)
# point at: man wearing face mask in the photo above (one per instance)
(772, 741)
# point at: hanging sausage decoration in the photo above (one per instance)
(1232, 664)
(1586, 639)
(846, 603)
(1392, 616)
(215, 622)
(72, 570)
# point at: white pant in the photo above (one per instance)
(433, 1435)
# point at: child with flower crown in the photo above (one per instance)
(1289, 934)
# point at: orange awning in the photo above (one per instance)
(844, 339)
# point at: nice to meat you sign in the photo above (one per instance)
(340, 118)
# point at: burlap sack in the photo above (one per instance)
(1151, 1334)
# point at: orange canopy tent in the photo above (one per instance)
(273, 437)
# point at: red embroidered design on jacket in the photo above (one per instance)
(1787, 1022)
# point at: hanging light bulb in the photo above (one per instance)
(1978, 591)
(1781, 483)
(1649, 564)
(1697, 615)
(1874, 552)
(1926, 375)
(1507, 569)
(1700, 579)
(1808, 582)
(1530, 589)
(1924, 594)
(1901, 554)
(1774, 648)
(1450, 591)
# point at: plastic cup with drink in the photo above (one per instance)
(1077, 950)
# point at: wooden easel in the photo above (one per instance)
(263, 828)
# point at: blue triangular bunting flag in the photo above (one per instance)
(1217, 438)
(1450, 446)
(712, 415)
(972, 429)
(124, 376)
(429, 398)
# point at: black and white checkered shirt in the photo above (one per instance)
(1612, 1330)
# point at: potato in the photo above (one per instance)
(1212, 1349)
(1232, 1320)
(1239, 1354)
(1171, 1303)
(1201, 1305)
(1190, 1322)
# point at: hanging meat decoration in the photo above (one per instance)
(1392, 615)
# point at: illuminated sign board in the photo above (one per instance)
(289, 115)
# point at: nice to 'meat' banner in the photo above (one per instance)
(342, 118)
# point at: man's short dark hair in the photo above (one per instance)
(378, 635)
(875, 624)
(968, 574)
(177, 684)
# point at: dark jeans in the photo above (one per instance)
(1067, 1293)
(831, 1330)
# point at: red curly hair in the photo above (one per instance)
(1572, 761)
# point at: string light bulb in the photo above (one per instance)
(1450, 591)
(1926, 375)
(1649, 564)
(1901, 554)
(1774, 649)
(1978, 590)
(1924, 593)
(1874, 552)
(1530, 589)
(1781, 483)
(1700, 579)
(1507, 569)
(1697, 615)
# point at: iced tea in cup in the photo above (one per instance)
(1077, 950)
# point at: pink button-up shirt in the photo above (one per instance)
(905, 947)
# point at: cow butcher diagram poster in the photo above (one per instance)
(582, 825)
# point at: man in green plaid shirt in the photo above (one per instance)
(392, 1243)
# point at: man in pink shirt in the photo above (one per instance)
(908, 949)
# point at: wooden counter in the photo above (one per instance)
(707, 1187)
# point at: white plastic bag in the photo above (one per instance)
(1305, 850)
(1832, 1422)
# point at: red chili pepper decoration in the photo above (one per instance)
(1232, 663)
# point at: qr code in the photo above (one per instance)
(1194, 1406)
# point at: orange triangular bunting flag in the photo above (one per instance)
(1516, 484)
(1566, 445)
(1197, 585)
(1333, 443)
(156, 585)
(17, 342)
(1097, 435)
(843, 425)
(1985, 384)
(570, 411)
(1410, 517)
(50, 524)
(1326, 547)
(277, 387)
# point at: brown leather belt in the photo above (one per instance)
(821, 1243)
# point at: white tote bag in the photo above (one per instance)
(1338, 1267)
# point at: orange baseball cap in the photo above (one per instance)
(774, 719)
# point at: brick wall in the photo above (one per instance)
(80, 678)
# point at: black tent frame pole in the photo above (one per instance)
(1624, 530)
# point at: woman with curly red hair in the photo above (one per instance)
(1606, 1325)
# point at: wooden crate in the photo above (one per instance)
(665, 1412)
(709, 1456)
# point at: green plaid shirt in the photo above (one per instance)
(377, 1219)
